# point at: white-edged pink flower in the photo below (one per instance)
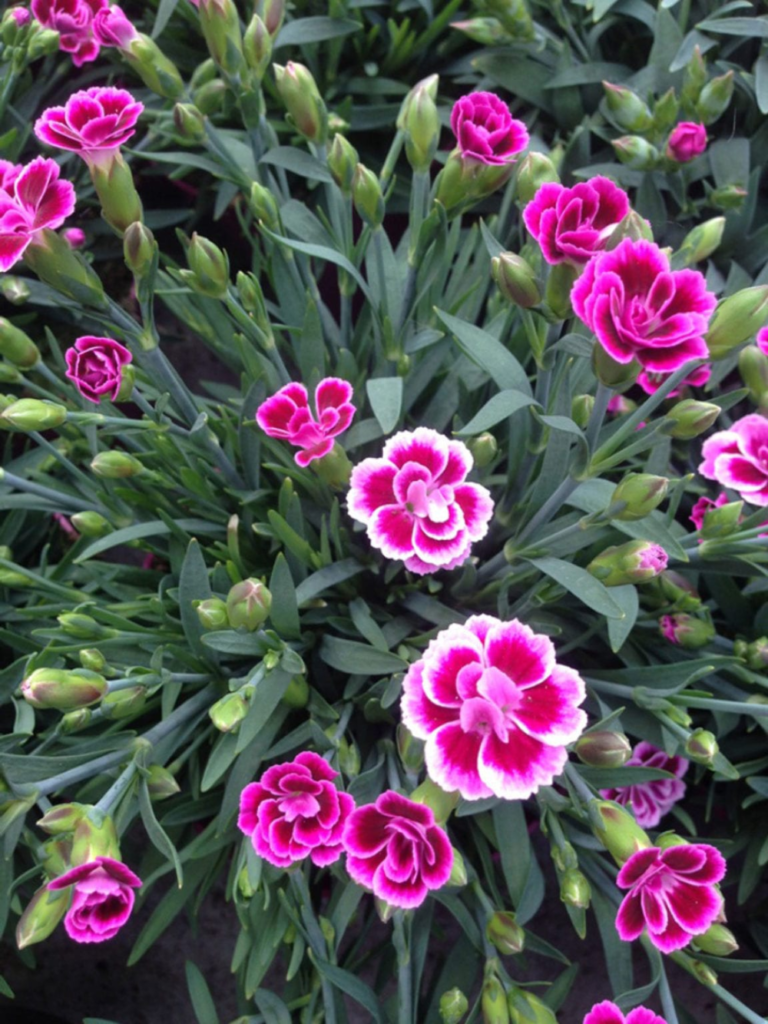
(93, 123)
(287, 416)
(494, 707)
(738, 458)
(32, 198)
(650, 801)
(416, 503)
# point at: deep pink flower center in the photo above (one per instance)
(299, 805)
(429, 502)
(492, 711)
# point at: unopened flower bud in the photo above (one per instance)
(575, 890)
(621, 836)
(124, 703)
(665, 111)
(220, 25)
(486, 31)
(62, 818)
(729, 197)
(41, 916)
(228, 712)
(717, 940)
(441, 803)
(209, 98)
(342, 161)
(756, 654)
(63, 690)
(608, 371)
(367, 196)
(514, 16)
(155, 69)
(516, 279)
(557, 293)
(753, 367)
(700, 242)
(484, 449)
(116, 465)
(16, 347)
(264, 207)
(636, 152)
(306, 109)
(627, 109)
(687, 631)
(581, 409)
(42, 43)
(297, 692)
(526, 1008)
(248, 604)
(642, 493)
(334, 468)
(91, 524)
(160, 783)
(348, 755)
(715, 98)
(701, 746)
(453, 1006)
(74, 721)
(637, 561)
(257, 46)
(534, 170)
(689, 418)
(120, 202)
(92, 659)
(271, 13)
(703, 972)
(603, 749)
(33, 414)
(458, 876)
(736, 319)
(410, 749)
(84, 627)
(722, 520)
(189, 122)
(94, 837)
(212, 613)
(632, 226)
(421, 124)
(209, 268)
(694, 80)
(50, 257)
(505, 933)
(493, 1002)
(14, 290)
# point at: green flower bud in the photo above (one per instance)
(703, 973)
(367, 196)
(228, 712)
(717, 940)
(124, 703)
(116, 465)
(694, 80)
(621, 836)
(665, 111)
(33, 414)
(92, 659)
(74, 721)
(160, 783)
(271, 13)
(700, 243)
(637, 561)
(715, 98)
(575, 890)
(581, 409)
(212, 613)
(516, 279)
(91, 524)
(410, 749)
(756, 654)
(56, 854)
(627, 109)
(342, 161)
(257, 46)
(51, 258)
(42, 43)
(722, 521)
(557, 294)
(16, 347)
(248, 604)
(484, 449)
(701, 746)
(349, 758)
(453, 1006)
(642, 493)
(486, 31)
(14, 290)
(421, 124)
(458, 876)
(139, 249)
(209, 98)
(441, 803)
(608, 371)
(631, 226)
(203, 73)
(264, 207)
(297, 693)
(736, 319)
(636, 152)
(687, 631)
(94, 837)
(689, 418)
(209, 268)
(220, 25)
(463, 181)
(302, 100)
(505, 933)
(753, 367)
(513, 16)
(120, 203)
(729, 197)
(41, 915)
(526, 1008)
(534, 170)
(189, 122)
(84, 627)
(62, 690)
(62, 818)
(603, 749)
(334, 468)
(493, 1002)
(153, 67)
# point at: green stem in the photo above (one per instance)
(551, 506)
(579, 784)
(57, 497)
(736, 1004)
(603, 396)
(116, 790)
(316, 939)
(404, 969)
(667, 1003)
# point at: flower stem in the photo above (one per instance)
(316, 939)
(550, 507)
(117, 788)
(667, 1003)
(404, 968)
(579, 784)
(603, 396)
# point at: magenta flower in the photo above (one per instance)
(651, 382)
(485, 129)
(74, 237)
(494, 707)
(93, 123)
(295, 811)
(640, 309)
(609, 1013)
(9, 172)
(395, 849)
(416, 504)
(704, 505)
(738, 458)
(572, 224)
(762, 340)
(618, 405)
(671, 893)
(650, 801)
(287, 415)
(95, 365)
(102, 900)
(687, 141)
(32, 198)
(20, 16)
(73, 20)
(112, 28)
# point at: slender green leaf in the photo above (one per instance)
(495, 410)
(487, 352)
(581, 584)
(386, 397)
(199, 993)
(359, 659)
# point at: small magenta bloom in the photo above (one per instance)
(640, 309)
(485, 129)
(102, 900)
(287, 415)
(650, 801)
(416, 504)
(113, 28)
(671, 893)
(495, 709)
(395, 849)
(21, 16)
(73, 20)
(762, 340)
(32, 198)
(650, 382)
(609, 1013)
(738, 458)
(295, 811)
(572, 224)
(687, 141)
(703, 505)
(96, 366)
(75, 237)
(94, 122)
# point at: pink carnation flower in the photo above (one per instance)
(485, 129)
(93, 123)
(416, 504)
(609, 1013)
(640, 309)
(762, 340)
(286, 415)
(618, 405)
(112, 28)
(31, 199)
(95, 365)
(650, 801)
(20, 15)
(73, 20)
(651, 382)
(9, 172)
(671, 893)
(687, 141)
(102, 900)
(395, 849)
(494, 707)
(703, 505)
(572, 224)
(738, 458)
(295, 811)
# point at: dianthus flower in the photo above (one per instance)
(112, 28)
(95, 365)
(761, 340)
(572, 224)
(738, 458)
(494, 707)
(31, 198)
(73, 20)
(651, 382)
(395, 849)
(93, 123)
(650, 801)
(295, 811)
(687, 141)
(485, 129)
(416, 503)
(609, 1013)
(672, 894)
(640, 309)
(102, 898)
(287, 415)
